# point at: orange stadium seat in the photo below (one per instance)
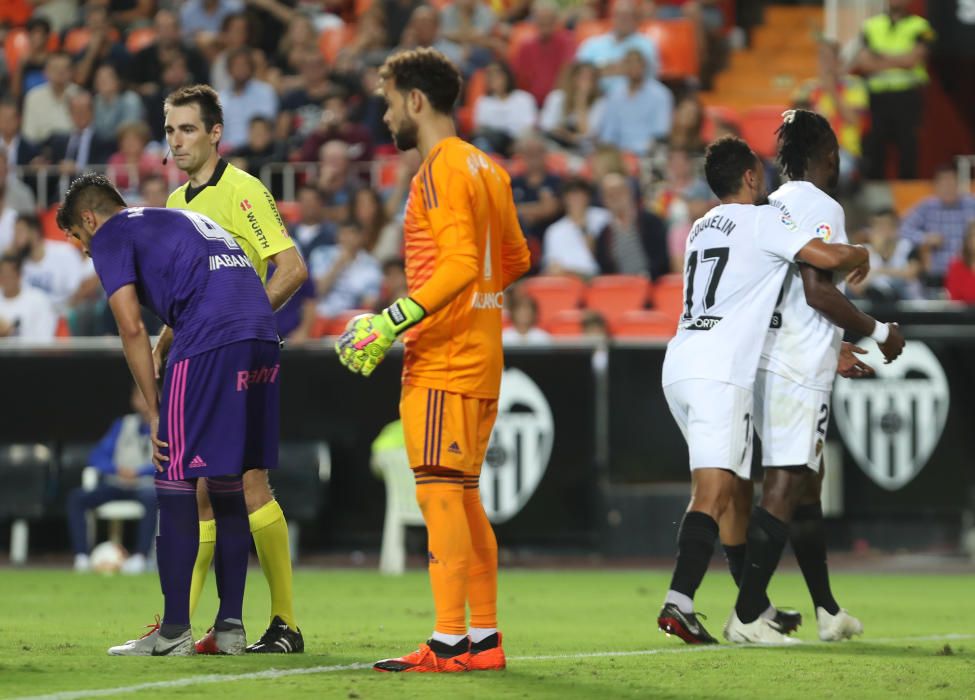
(718, 113)
(76, 40)
(566, 322)
(553, 294)
(15, 47)
(362, 7)
(521, 32)
(289, 211)
(676, 41)
(49, 224)
(643, 323)
(333, 40)
(612, 295)
(758, 126)
(668, 296)
(139, 39)
(591, 27)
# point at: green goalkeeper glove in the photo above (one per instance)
(369, 337)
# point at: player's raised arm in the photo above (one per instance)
(836, 256)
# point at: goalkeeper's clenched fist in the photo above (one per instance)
(369, 337)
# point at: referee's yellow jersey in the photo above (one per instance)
(241, 204)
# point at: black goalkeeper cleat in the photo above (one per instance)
(278, 639)
(685, 625)
(786, 620)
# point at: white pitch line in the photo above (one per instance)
(274, 673)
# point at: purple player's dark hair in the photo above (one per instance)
(92, 191)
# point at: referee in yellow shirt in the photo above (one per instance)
(241, 204)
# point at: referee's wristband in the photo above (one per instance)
(881, 331)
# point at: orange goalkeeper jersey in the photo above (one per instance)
(463, 247)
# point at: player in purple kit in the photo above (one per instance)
(218, 412)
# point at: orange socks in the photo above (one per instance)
(441, 499)
(463, 552)
(482, 572)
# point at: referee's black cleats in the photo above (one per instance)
(278, 639)
(684, 625)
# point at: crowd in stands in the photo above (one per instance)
(601, 129)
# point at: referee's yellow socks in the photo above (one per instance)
(270, 532)
(204, 556)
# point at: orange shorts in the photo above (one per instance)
(446, 430)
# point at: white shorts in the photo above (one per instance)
(791, 420)
(716, 420)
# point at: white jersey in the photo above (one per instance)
(736, 259)
(802, 345)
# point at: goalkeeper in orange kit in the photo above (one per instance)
(463, 247)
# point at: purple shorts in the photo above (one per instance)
(219, 411)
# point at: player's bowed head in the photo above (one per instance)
(90, 201)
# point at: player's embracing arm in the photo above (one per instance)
(256, 217)
(451, 217)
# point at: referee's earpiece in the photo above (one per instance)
(166, 157)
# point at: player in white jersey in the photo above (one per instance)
(799, 363)
(736, 259)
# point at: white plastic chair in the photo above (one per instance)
(114, 511)
(402, 509)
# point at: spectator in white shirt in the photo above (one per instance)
(14, 193)
(46, 106)
(247, 98)
(503, 113)
(25, 313)
(55, 268)
(523, 329)
(346, 276)
(569, 242)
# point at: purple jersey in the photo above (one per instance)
(189, 272)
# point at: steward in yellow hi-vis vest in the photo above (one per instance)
(893, 57)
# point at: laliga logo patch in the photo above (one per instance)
(892, 423)
(520, 447)
(788, 222)
(824, 231)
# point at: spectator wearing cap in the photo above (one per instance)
(571, 241)
(937, 224)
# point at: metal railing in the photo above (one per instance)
(50, 184)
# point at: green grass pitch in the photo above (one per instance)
(569, 634)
